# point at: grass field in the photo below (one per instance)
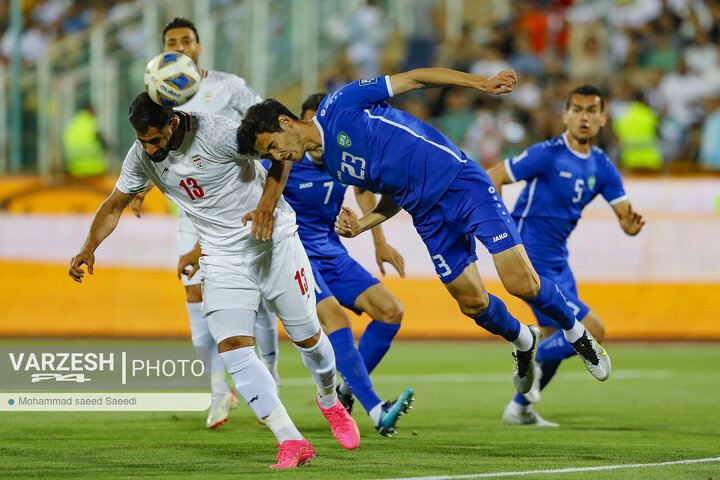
(661, 404)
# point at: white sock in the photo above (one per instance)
(266, 339)
(281, 425)
(320, 361)
(252, 380)
(524, 340)
(375, 413)
(207, 350)
(574, 334)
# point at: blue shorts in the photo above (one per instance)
(469, 208)
(563, 277)
(340, 277)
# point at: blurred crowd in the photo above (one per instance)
(658, 62)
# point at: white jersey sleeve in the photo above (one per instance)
(133, 178)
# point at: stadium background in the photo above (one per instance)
(662, 55)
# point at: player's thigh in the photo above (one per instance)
(516, 272)
(187, 239)
(232, 328)
(380, 303)
(286, 281)
(332, 315)
(469, 291)
(228, 283)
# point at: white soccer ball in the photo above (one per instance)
(172, 78)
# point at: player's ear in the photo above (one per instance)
(564, 117)
(603, 119)
(284, 121)
(199, 50)
(174, 122)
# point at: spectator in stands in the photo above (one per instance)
(83, 146)
(637, 130)
(710, 140)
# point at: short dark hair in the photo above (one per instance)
(312, 103)
(260, 118)
(145, 113)
(586, 90)
(179, 22)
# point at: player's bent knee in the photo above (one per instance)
(391, 312)
(308, 342)
(233, 343)
(303, 332)
(525, 288)
(472, 306)
(193, 294)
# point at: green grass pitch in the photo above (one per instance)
(661, 404)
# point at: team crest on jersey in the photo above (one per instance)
(197, 161)
(343, 140)
(591, 182)
(368, 81)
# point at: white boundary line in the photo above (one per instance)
(562, 470)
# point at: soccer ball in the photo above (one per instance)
(172, 79)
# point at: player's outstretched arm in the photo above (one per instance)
(262, 217)
(499, 176)
(348, 225)
(104, 222)
(383, 251)
(136, 203)
(502, 82)
(630, 221)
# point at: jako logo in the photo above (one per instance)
(497, 238)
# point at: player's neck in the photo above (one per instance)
(577, 145)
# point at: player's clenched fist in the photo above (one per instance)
(502, 82)
(346, 223)
(84, 257)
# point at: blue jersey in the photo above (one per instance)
(316, 198)
(560, 183)
(369, 144)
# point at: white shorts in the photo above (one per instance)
(280, 273)
(187, 238)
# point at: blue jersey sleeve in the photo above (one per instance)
(363, 93)
(530, 163)
(612, 189)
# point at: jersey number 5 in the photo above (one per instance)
(192, 188)
(578, 189)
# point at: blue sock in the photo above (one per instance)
(496, 319)
(554, 348)
(548, 372)
(352, 368)
(519, 398)
(551, 302)
(375, 342)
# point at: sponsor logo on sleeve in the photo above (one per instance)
(368, 81)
